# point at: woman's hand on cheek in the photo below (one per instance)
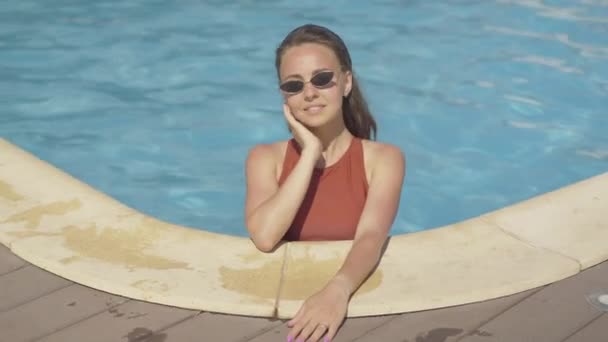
(320, 316)
(305, 138)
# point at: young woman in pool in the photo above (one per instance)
(331, 181)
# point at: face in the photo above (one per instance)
(320, 99)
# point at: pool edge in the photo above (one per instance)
(549, 237)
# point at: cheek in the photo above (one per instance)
(335, 97)
(292, 102)
(295, 105)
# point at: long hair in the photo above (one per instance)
(357, 117)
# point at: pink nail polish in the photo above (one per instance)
(289, 338)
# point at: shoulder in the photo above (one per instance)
(266, 154)
(380, 157)
(382, 150)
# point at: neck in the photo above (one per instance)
(335, 139)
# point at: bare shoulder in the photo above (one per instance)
(267, 156)
(376, 149)
(382, 155)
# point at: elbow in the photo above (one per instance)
(264, 246)
(262, 242)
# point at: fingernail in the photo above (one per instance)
(326, 339)
(289, 338)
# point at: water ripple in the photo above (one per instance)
(566, 13)
(157, 103)
(586, 50)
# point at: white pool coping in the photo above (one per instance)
(63, 225)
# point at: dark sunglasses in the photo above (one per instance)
(320, 81)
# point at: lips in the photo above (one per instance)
(314, 109)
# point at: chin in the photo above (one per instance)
(314, 121)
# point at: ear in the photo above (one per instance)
(348, 83)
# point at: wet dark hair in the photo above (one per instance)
(357, 117)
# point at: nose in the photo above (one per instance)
(309, 91)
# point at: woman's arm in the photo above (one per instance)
(376, 220)
(322, 313)
(270, 209)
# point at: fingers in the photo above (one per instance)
(296, 324)
(297, 317)
(298, 332)
(292, 123)
(311, 331)
(307, 330)
(331, 332)
(289, 115)
(319, 331)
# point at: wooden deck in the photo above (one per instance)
(36, 305)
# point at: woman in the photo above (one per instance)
(330, 182)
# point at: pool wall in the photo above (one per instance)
(64, 226)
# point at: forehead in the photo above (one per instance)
(304, 59)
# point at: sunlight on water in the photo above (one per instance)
(157, 102)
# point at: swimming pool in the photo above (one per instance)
(157, 103)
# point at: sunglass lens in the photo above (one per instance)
(292, 86)
(322, 79)
(319, 80)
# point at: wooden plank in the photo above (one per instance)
(597, 330)
(215, 327)
(553, 314)
(356, 327)
(9, 261)
(53, 312)
(446, 324)
(26, 284)
(131, 321)
(351, 329)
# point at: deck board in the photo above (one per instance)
(595, 331)
(446, 324)
(26, 284)
(131, 321)
(216, 327)
(54, 312)
(553, 314)
(9, 261)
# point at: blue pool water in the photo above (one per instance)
(157, 102)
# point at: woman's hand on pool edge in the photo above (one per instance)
(320, 316)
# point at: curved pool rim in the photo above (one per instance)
(66, 227)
